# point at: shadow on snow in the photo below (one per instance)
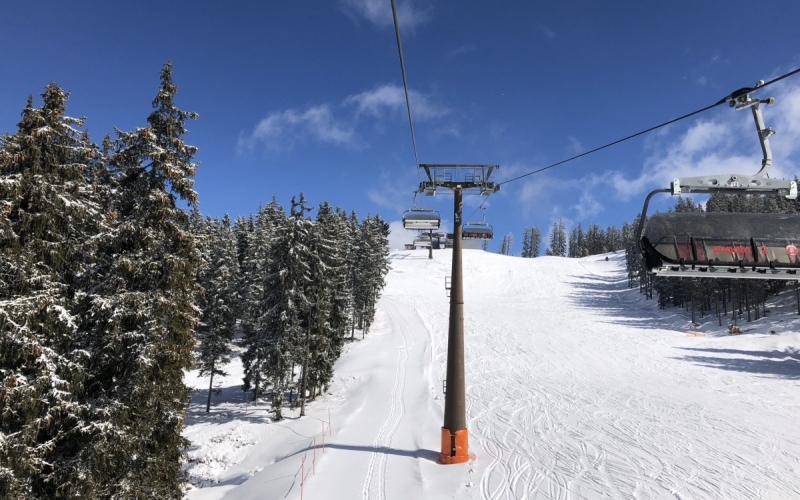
(780, 364)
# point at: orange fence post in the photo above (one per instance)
(314, 463)
(323, 437)
(329, 423)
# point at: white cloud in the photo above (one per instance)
(784, 117)
(727, 144)
(547, 32)
(394, 191)
(379, 13)
(587, 207)
(450, 130)
(575, 146)
(398, 236)
(462, 50)
(281, 130)
(392, 98)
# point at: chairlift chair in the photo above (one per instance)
(725, 244)
(421, 218)
(477, 230)
(423, 241)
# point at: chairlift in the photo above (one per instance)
(423, 241)
(421, 218)
(725, 244)
(477, 230)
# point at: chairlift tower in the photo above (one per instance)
(456, 179)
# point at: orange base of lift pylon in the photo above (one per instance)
(455, 447)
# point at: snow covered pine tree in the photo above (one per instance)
(48, 217)
(140, 314)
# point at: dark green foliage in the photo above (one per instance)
(219, 299)
(140, 313)
(594, 240)
(531, 242)
(259, 233)
(371, 266)
(288, 304)
(305, 285)
(558, 240)
(104, 279)
(329, 317)
(505, 245)
(48, 213)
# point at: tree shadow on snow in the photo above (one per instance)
(780, 364)
(430, 455)
(612, 299)
(228, 403)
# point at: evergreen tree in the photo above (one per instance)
(288, 305)
(256, 294)
(219, 304)
(535, 242)
(526, 243)
(329, 294)
(372, 265)
(558, 240)
(140, 315)
(49, 215)
(353, 252)
(505, 246)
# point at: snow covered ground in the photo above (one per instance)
(576, 388)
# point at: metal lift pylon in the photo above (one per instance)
(456, 179)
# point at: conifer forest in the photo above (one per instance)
(113, 284)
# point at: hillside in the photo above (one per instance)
(576, 388)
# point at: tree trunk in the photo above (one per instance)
(305, 373)
(210, 387)
(255, 391)
(747, 300)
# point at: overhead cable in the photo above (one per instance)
(670, 122)
(405, 82)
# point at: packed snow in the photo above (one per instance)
(577, 388)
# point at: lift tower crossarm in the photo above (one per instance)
(452, 176)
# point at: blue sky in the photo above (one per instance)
(307, 95)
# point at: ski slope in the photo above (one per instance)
(577, 388)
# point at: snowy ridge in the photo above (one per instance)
(576, 388)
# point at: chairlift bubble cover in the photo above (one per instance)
(421, 218)
(477, 231)
(766, 244)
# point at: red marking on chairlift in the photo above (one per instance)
(737, 249)
(791, 251)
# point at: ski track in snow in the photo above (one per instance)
(375, 480)
(564, 435)
(577, 388)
